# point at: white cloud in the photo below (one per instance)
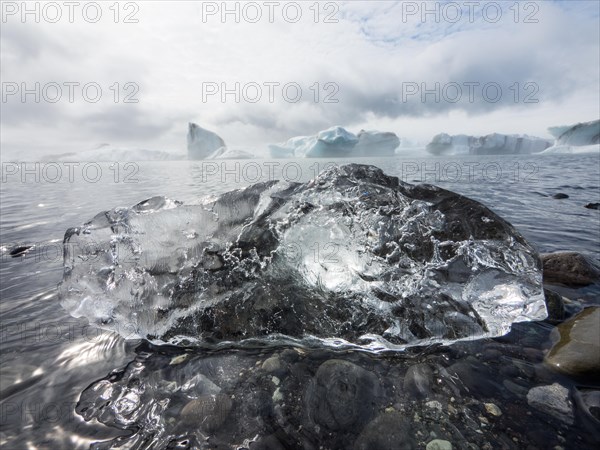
(368, 54)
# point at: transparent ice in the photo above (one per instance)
(352, 258)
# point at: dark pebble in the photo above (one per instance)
(417, 381)
(207, 412)
(342, 395)
(389, 431)
(474, 380)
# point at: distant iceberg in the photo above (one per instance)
(333, 142)
(580, 138)
(108, 153)
(586, 133)
(202, 143)
(382, 143)
(230, 153)
(491, 144)
(572, 149)
(337, 142)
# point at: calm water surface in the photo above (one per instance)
(49, 359)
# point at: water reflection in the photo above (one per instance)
(472, 394)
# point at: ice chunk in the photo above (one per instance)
(353, 257)
(202, 143)
(492, 144)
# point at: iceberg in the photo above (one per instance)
(230, 153)
(294, 147)
(491, 144)
(337, 142)
(572, 149)
(376, 143)
(109, 153)
(574, 139)
(353, 258)
(586, 133)
(201, 143)
(331, 143)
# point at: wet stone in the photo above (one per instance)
(342, 395)
(272, 364)
(553, 400)
(492, 409)
(588, 400)
(208, 412)
(472, 379)
(389, 431)
(516, 389)
(569, 268)
(439, 444)
(267, 443)
(555, 306)
(577, 350)
(417, 381)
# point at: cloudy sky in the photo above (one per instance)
(135, 75)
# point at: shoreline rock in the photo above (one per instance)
(577, 349)
(569, 268)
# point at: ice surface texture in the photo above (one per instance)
(351, 258)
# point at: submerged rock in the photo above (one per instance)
(553, 400)
(588, 401)
(417, 380)
(577, 350)
(342, 395)
(472, 379)
(207, 412)
(439, 444)
(492, 409)
(555, 306)
(569, 268)
(389, 431)
(353, 257)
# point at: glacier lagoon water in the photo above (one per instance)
(67, 385)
